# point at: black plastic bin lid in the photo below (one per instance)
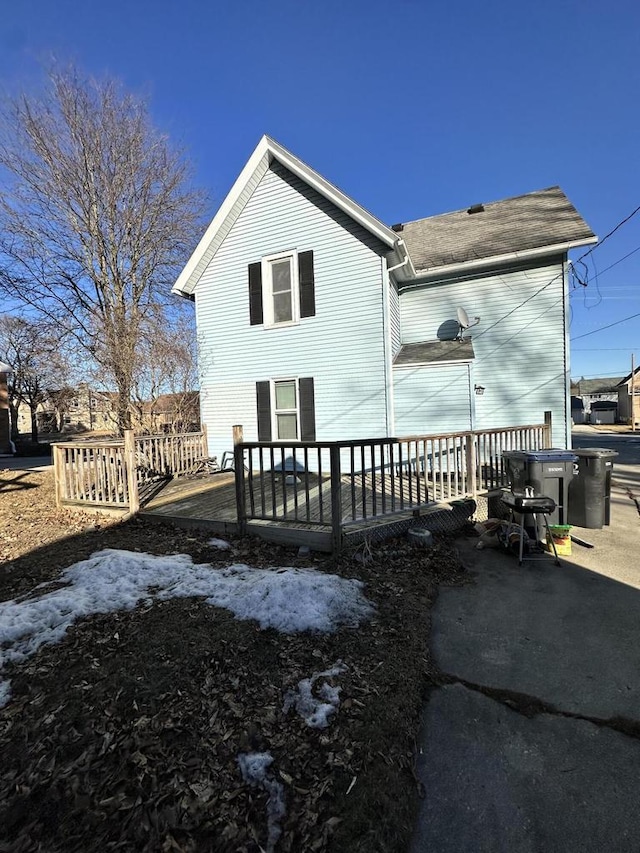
(551, 455)
(595, 452)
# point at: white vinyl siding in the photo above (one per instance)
(519, 344)
(341, 347)
(432, 399)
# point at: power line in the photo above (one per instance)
(606, 236)
(620, 260)
(602, 328)
(560, 275)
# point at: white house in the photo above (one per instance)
(319, 322)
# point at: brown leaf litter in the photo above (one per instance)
(125, 736)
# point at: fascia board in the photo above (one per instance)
(333, 194)
(185, 284)
(497, 260)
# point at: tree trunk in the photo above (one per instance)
(34, 425)
(13, 415)
(123, 411)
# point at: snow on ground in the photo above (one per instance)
(253, 767)
(315, 711)
(287, 599)
(220, 544)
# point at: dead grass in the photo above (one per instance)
(125, 735)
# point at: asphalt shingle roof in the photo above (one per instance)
(434, 351)
(531, 221)
(604, 385)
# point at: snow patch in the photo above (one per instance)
(220, 544)
(287, 599)
(253, 767)
(316, 710)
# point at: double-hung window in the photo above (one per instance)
(282, 289)
(280, 277)
(285, 410)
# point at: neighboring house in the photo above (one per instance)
(169, 413)
(85, 409)
(625, 398)
(590, 391)
(318, 321)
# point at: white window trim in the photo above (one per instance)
(267, 290)
(275, 413)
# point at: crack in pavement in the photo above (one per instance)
(531, 706)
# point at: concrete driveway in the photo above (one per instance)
(532, 741)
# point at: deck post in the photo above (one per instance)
(58, 464)
(130, 468)
(547, 429)
(336, 498)
(205, 441)
(472, 465)
(238, 466)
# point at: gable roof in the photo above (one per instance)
(266, 151)
(604, 385)
(628, 377)
(536, 221)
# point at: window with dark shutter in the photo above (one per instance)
(263, 397)
(307, 284)
(255, 294)
(307, 410)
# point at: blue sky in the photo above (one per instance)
(412, 107)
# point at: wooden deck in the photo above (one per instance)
(208, 501)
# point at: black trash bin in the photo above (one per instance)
(548, 473)
(590, 491)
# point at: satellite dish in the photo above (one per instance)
(465, 323)
(463, 318)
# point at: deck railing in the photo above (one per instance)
(110, 474)
(340, 483)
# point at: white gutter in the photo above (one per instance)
(556, 248)
(402, 263)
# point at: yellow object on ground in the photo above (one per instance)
(562, 537)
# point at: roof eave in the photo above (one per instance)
(267, 147)
(526, 254)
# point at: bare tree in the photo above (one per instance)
(95, 218)
(32, 348)
(60, 399)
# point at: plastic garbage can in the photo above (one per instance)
(548, 473)
(590, 491)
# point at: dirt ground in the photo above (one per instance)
(125, 735)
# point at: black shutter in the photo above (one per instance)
(307, 410)
(255, 294)
(263, 396)
(307, 285)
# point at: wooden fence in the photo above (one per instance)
(111, 474)
(342, 483)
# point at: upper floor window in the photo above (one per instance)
(282, 289)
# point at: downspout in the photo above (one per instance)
(402, 263)
(386, 343)
(567, 351)
(391, 411)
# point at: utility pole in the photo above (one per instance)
(633, 392)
